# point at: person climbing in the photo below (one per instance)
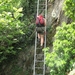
(40, 28)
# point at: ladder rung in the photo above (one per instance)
(42, 4)
(41, 1)
(38, 74)
(39, 60)
(39, 54)
(39, 67)
(38, 48)
(42, 9)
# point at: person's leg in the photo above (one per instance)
(42, 39)
(39, 36)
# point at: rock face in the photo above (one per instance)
(72, 72)
(55, 12)
(55, 17)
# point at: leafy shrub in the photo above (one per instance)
(69, 7)
(61, 59)
(10, 28)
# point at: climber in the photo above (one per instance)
(40, 28)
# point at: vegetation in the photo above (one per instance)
(15, 29)
(16, 33)
(61, 59)
(10, 28)
(69, 7)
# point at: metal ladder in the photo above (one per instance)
(39, 57)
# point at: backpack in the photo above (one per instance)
(40, 20)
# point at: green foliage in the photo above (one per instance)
(10, 28)
(16, 30)
(61, 59)
(69, 7)
(29, 6)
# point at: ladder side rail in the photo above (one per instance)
(45, 32)
(35, 53)
(36, 40)
(46, 20)
(37, 7)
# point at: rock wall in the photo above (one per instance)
(55, 12)
(55, 17)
